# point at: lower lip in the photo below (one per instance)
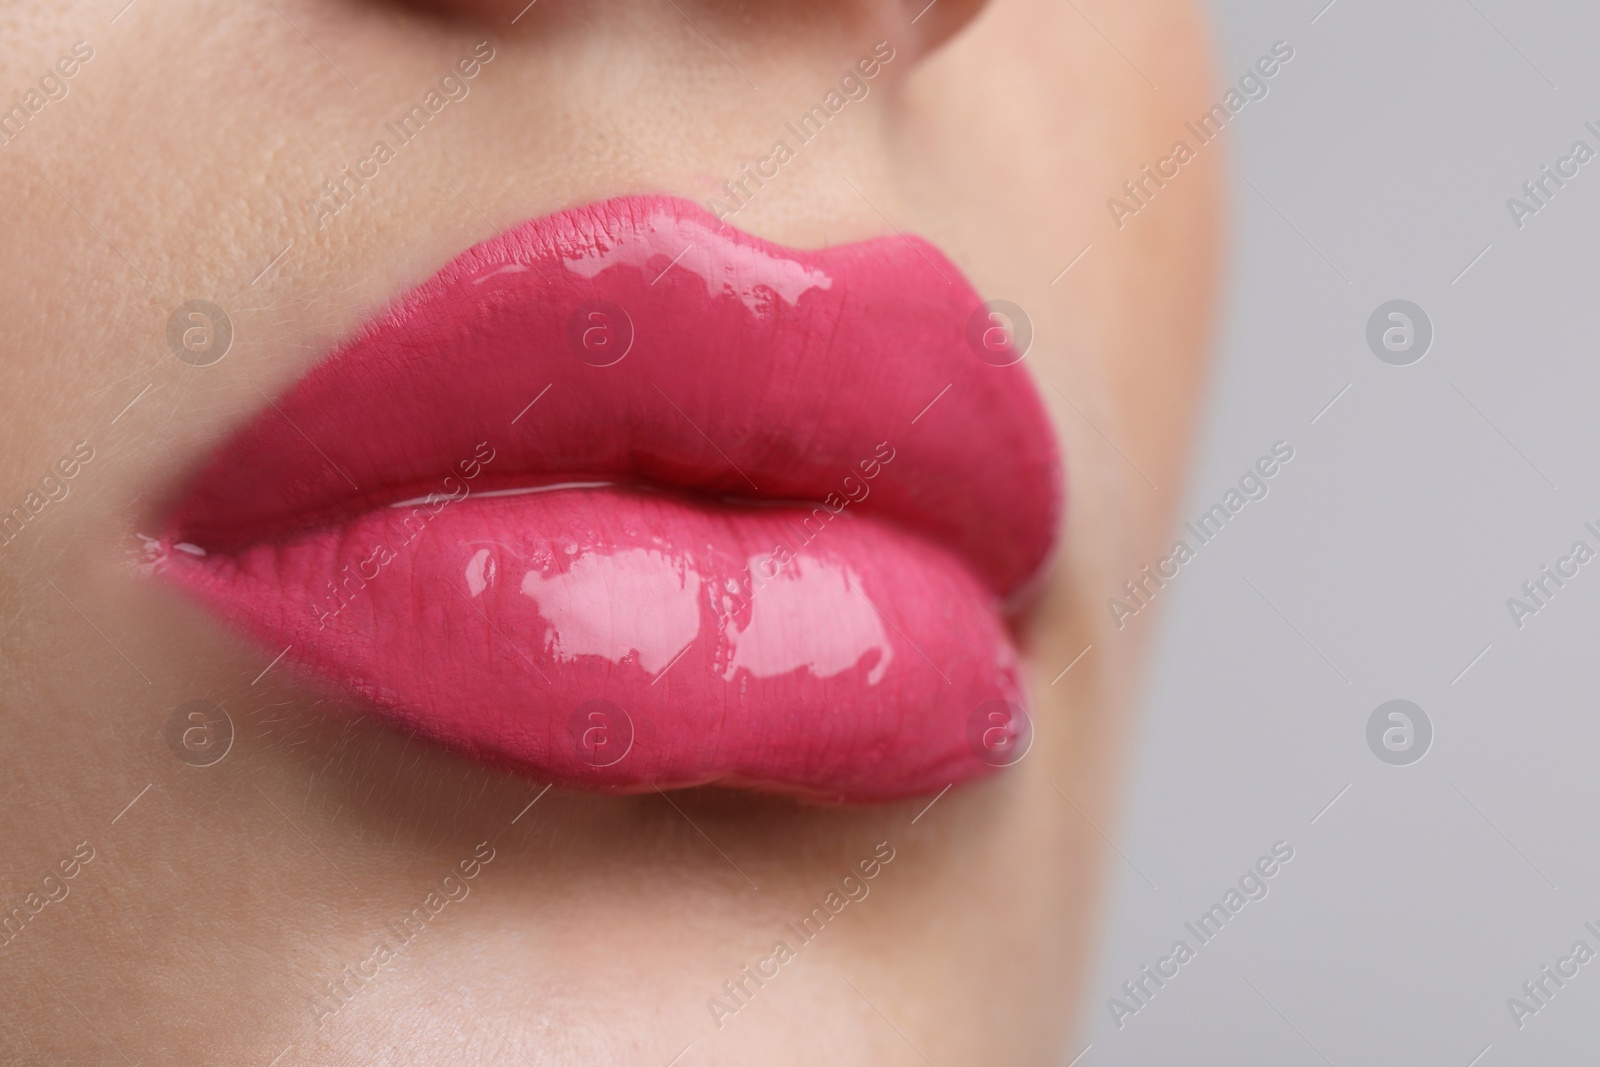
(628, 639)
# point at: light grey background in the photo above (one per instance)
(1380, 565)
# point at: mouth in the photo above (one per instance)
(627, 499)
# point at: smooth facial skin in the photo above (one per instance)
(206, 921)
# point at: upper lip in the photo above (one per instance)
(641, 342)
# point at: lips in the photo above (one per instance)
(626, 499)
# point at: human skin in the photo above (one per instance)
(219, 905)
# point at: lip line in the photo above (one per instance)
(1009, 604)
(731, 501)
(343, 513)
(686, 493)
(490, 493)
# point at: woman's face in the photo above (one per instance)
(302, 882)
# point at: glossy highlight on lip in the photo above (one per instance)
(626, 498)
